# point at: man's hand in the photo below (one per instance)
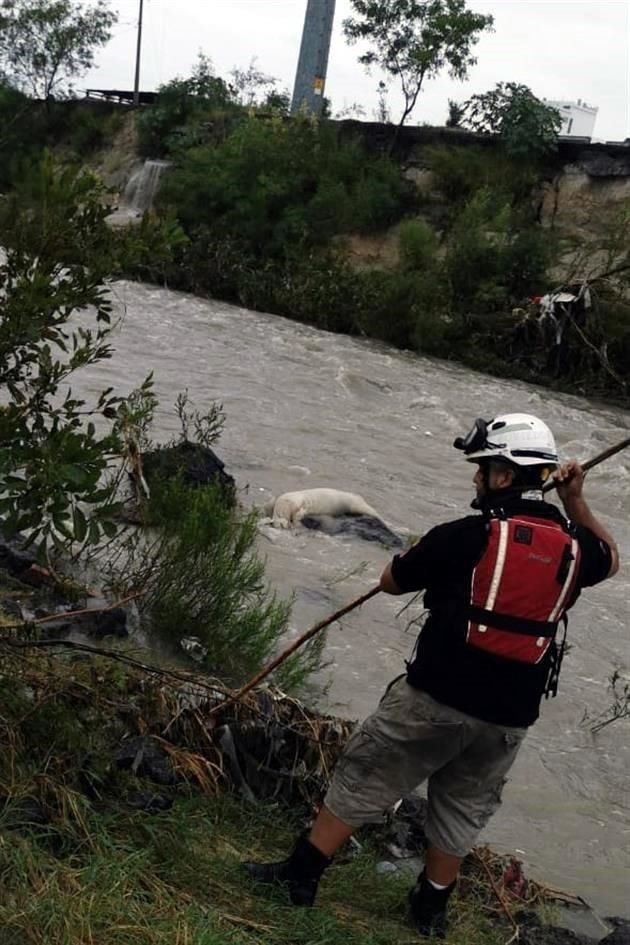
(570, 479)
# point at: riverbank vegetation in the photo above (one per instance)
(327, 223)
(129, 791)
(121, 821)
(318, 223)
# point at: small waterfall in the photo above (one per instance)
(139, 193)
(143, 185)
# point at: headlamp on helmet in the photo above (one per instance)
(518, 438)
(476, 439)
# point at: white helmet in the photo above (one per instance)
(518, 438)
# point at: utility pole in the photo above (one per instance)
(310, 79)
(136, 87)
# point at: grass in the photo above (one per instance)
(79, 870)
(175, 879)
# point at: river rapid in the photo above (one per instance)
(306, 408)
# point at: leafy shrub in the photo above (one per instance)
(528, 127)
(418, 244)
(460, 172)
(60, 456)
(280, 187)
(56, 318)
(184, 107)
(493, 258)
(202, 577)
(22, 133)
(90, 128)
(147, 250)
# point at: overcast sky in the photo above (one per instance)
(562, 49)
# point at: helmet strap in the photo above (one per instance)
(524, 486)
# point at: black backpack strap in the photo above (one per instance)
(557, 655)
(531, 628)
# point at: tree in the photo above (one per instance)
(251, 86)
(185, 110)
(455, 114)
(528, 127)
(44, 44)
(383, 112)
(56, 449)
(414, 40)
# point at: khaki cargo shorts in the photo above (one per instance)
(410, 739)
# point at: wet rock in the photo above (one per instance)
(581, 919)
(533, 932)
(197, 465)
(144, 756)
(230, 755)
(365, 527)
(607, 165)
(549, 935)
(621, 933)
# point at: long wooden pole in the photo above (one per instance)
(258, 678)
(301, 641)
(595, 461)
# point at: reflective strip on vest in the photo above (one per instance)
(498, 569)
(556, 613)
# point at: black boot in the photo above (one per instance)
(299, 874)
(428, 907)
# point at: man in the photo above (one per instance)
(497, 587)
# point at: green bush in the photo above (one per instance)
(527, 127)
(147, 250)
(201, 577)
(184, 111)
(73, 128)
(90, 129)
(280, 187)
(460, 172)
(418, 244)
(56, 319)
(22, 133)
(494, 258)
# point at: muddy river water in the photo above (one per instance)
(306, 408)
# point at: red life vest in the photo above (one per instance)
(522, 586)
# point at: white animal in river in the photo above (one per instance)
(291, 507)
